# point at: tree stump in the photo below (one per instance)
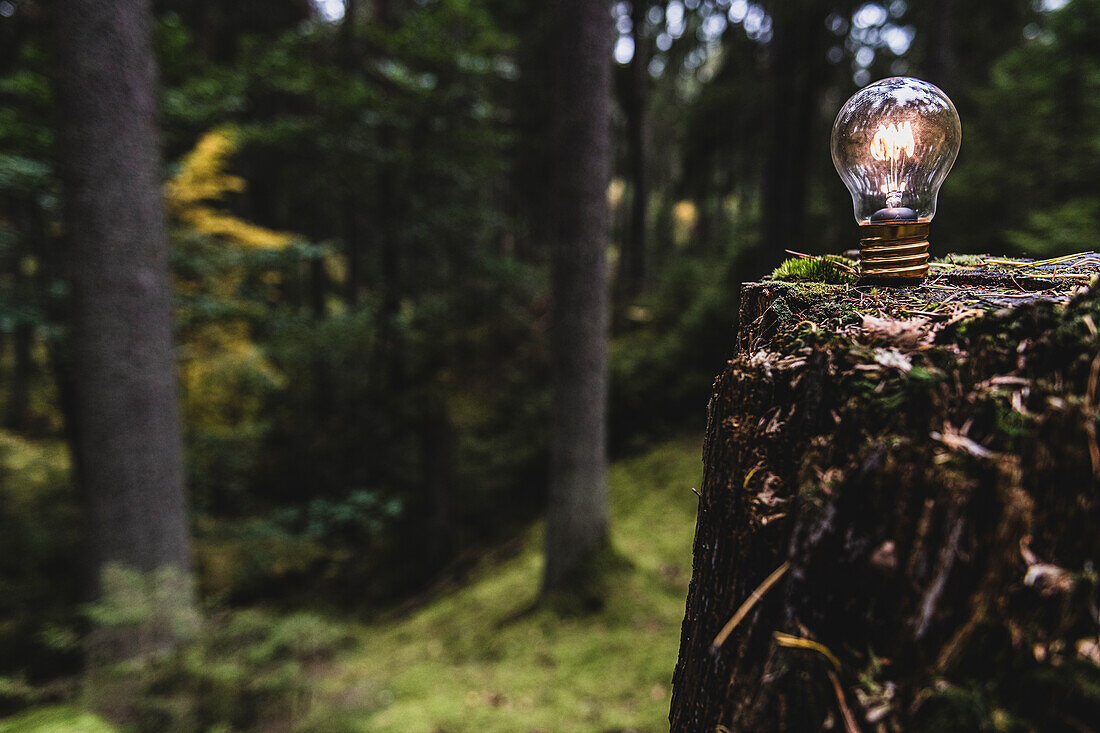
(898, 521)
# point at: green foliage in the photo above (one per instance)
(247, 670)
(56, 719)
(135, 602)
(663, 362)
(1032, 147)
(39, 581)
(1069, 227)
(244, 559)
(336, 387)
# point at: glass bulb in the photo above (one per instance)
(893, 144)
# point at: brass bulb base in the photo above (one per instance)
(893, 253)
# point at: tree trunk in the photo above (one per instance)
(18, 417)
(127, 428)
(633, 266)
(940, 62)
(897, 522)
(353, 249)
(797, 73)
(437, 453)
(577, 515)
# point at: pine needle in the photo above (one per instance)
(850, 725)
(745, 607)
(798, 642)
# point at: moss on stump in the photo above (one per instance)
(921, 468)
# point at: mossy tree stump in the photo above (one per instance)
(900, 510)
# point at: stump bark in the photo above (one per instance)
(899, 512)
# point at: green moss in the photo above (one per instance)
(831, 269)
(56, 719)
(782, 310)
(1010, 421)
(957, 259)
(808, 313)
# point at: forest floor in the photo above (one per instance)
(483, 657)
(480, 659)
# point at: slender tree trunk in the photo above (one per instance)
(352, 248)
(577, 520)
(797, 72)
(437, 452)
(349, 203)
(633, 268)
(18, 416)
(32, 239)
(940, 63)
(127, 428)
(347, 26)
(390, 344)
(322, 371)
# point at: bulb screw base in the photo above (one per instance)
(894, 253)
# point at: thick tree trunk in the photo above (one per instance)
(577, 517)
(897, 523)
(127, 419)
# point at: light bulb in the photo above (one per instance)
(893, 144)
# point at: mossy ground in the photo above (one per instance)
(486, 658)
(57, 719)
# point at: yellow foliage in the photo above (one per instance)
(685, 216)
(195, 193)
(223, 373)
(616, 190)
(30, 464)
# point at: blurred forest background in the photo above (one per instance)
(358, 198)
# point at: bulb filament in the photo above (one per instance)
(891, 142)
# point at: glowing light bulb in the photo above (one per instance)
(893, 144)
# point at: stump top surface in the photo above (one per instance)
(958, 287)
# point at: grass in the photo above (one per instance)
(480, 659)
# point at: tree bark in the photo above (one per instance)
(18, 417)
(896, 525)
(577, 515)
(127, 428)
(797, 73)
(633, 267)
(940, 59)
